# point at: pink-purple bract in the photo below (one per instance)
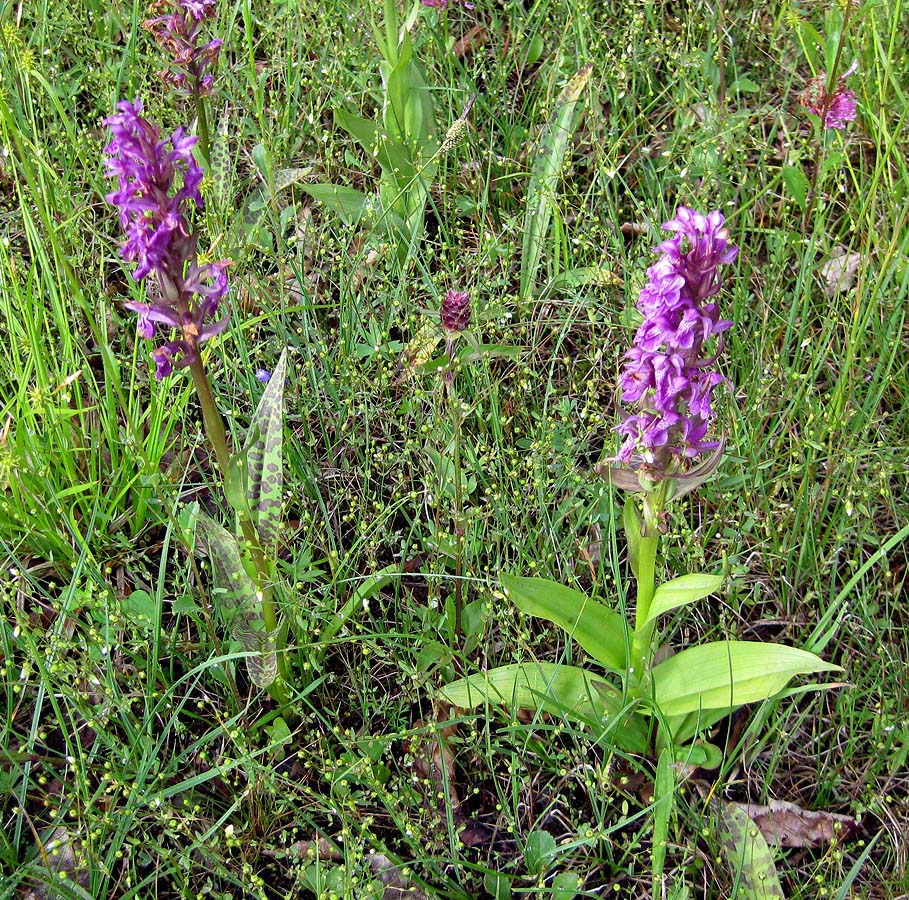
(667, 377)
(157, 181)
(834, 108)
(455, 311)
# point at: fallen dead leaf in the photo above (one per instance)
(470, 41)
(791, 826)
(434, 763)
(838, 273)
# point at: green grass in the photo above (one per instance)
(146, 743)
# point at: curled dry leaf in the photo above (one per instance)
(791, 826)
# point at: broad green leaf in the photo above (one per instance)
(141, 608)
(238, 600)
(746, 853)
(562, 690)
(264, 457)
(797, 184)
(347, 202)
(598, 629)
(631, 522)
(539, 851)
(544, 179)
(681, 591)
(388, 153)
(727, 674)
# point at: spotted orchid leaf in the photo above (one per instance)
(264, 457)
(238, 600)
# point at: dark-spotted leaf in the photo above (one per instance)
(264, 457)
(238, 600)
(544, 181)
(746, 853)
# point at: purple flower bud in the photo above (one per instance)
(456, 311)
(665, 375)
(263, 375)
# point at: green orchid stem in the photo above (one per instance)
(642, 643)
(202, 128)
(217, 434)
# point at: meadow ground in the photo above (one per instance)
(137, 759)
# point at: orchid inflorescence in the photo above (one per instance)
(153, 213)
(178, 29)
(667, 375)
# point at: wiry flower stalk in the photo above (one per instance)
(667, 376)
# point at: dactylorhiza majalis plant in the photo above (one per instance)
(668, 383)
(158, 183)
(177, 27)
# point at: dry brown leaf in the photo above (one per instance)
(791, 826)
(434, 762)
(470, 41)
(838, 273)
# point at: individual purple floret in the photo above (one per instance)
(153, 215)
(178, 30)
(666, 376)
(834, 108)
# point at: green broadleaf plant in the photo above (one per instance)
(684, 693)
(402, 143)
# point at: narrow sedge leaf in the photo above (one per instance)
(238, 599)
(563, 690)
(746, 853)
(681, 591)
(663, 806)
(598, 629)
(631, 522)
(265, 457)
(727, 674)
(544, 180)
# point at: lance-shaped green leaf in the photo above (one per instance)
(727, 674)
(544, 179)
(746, 853)
(562, 690)
(238, 599)
(598, 629)
(681, 591)
(264, 457)
(632, 525)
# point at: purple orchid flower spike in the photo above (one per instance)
(667, 376)
(157, 183)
